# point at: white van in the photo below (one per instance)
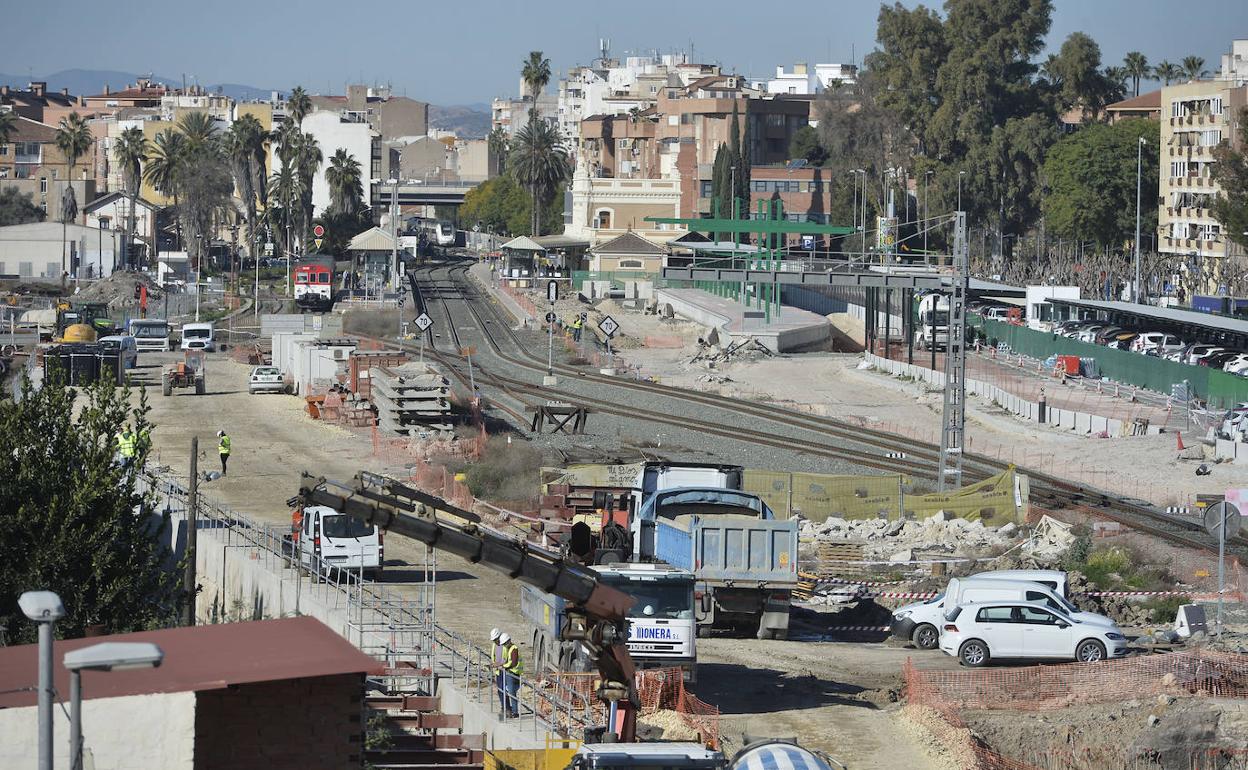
(329, 539)
(921, 622)
(1055, 579)
(198, 336)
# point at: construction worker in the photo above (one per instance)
(497, 653)
(143, 442)
(513, 669)
(127, 443)
(223, 449)
(577, 324)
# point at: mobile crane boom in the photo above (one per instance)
(598, 614)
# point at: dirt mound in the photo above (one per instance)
(118, 289)
(665, 725)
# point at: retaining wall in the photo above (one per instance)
(1065, 419)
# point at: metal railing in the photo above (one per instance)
(398, 630)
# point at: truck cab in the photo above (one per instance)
(151, 334)
(662, 625)
(933, 322)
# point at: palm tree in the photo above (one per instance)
(1166, 71)
(244, 147)
(199, 131)
(131, 151)
(284, 187)
(73, 138)
(536, 73)
(1136, 65)
(343, 178)
(8, 124)
(539, 163)
(1193, 67)
(298, 105)
(163, 164)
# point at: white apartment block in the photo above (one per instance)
(806, 81)
(1195, 118)
(1235, 63)
(346, 130)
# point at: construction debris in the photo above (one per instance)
(899, 542)
(411, 399)
(711, 355)
(118, 290)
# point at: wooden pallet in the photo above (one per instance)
(839, 558)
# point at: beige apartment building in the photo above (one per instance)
(1195, 118)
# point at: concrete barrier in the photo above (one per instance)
(1083, 423)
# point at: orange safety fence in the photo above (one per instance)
(1038, 688)
(659, 689)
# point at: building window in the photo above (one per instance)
(792, 89)
(706, 189)
(602, 220)
(4, 149)
(631, 264)
(43, 185)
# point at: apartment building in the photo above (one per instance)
(1235, 64)
(145, 93)
(31, 162)
(1195, 118)
(510, 115)
(37, 102)
(389, 115)
(806, 80)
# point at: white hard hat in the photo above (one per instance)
(220, 433)
(494, 634)
(504, 637)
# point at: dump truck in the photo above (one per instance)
(744, 560)
(661, 625)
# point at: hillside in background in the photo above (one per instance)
(468, 121)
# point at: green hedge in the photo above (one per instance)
(1219, 389)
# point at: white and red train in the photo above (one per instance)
(314, 284)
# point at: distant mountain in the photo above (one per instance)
(90, 82)
(468, 121)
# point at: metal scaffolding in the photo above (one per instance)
(953, 425)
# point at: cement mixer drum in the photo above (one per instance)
(780, 755)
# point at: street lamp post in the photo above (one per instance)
(44, 608)
(855, 213)
(1139, 158)
(107, 656)
(960, 175)
(926, 176)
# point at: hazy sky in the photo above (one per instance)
(461, 51)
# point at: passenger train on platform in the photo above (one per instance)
(314, 284)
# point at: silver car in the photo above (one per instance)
(266, 379)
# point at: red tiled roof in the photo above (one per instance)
(196, 658)
(1148, 101)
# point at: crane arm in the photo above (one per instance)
(597, 617)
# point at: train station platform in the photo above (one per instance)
(790, 329)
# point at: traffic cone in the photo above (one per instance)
(1178, 437)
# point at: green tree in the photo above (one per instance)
(1230, 208)
(18, 209)
(244, 149)
(806, 146)
(68, 511)
(8, 124)
(73, 138)
(199, 132)
(1167, 72)
(540, 164)
(298, 105)
(131, 151)
(165, 156)
(498, 147)
(721, 181)
(1137, 68)
(1193, 67)
(535, 71)
(307, 161)
(345, 188)
(503, 206)
(1079, 82)
(1091, 179)
(913, 45)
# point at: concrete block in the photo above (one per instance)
(1113, 427)
(1083, 422)
(1224, 449)
(1099, 424)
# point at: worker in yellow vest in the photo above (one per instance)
(223, 449)
(577, 325)
(513, 669)
(127, 442)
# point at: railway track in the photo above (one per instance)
(865, 447)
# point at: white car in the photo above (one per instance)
(1159, 343)
(980, 632)
(266, 379)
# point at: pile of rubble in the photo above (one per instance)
(900, 542)
(118, 289)
(711, 354)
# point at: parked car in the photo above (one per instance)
(998, 313)
(977, 633)
(1122, 341)
(129, 348)
(1156, 343)
(1194, 358)
(266, 379)
(1108, 334)
(1218, 360)
(1237, 364)
(1053, 579)
(920, 622)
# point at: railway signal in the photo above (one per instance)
(609, 327)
